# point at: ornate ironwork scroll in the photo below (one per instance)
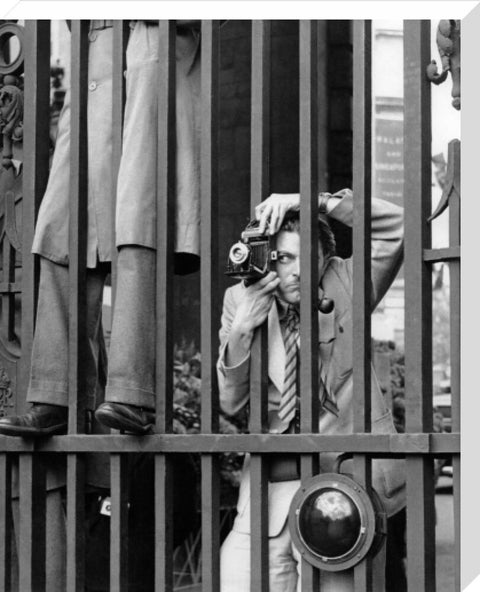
(11, 145)
(11, 129)
(451, 184)
(6, 393)
(448, 42)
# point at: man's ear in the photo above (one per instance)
(326, 261)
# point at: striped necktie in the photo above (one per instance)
(287, 407)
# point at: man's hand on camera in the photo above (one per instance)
(251, 313)
(273, 209)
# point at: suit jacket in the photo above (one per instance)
(52, 230)
(335, 348)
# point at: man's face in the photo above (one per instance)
(288, 265)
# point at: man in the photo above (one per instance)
(131, 369)
(273, 299)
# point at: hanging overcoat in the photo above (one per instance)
(137, 196)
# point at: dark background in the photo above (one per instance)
(234, 141)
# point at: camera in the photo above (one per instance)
(250, 258)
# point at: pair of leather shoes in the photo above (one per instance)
(48, 420)
(40, 420)
(124, 417)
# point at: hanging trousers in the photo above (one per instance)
(131, 368)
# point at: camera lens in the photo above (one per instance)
(238, 253)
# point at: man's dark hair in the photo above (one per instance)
(291, 223)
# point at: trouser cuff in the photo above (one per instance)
(54, 396)
(130, 396)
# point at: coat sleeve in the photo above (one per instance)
(233, 381)
(386, 236)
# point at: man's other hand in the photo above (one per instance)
(256, 303)
(252, 311)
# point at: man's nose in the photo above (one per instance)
(296, 267)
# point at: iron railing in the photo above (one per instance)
(419, 445)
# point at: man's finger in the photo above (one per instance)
(270, 286)
(262, 282)
(280, 215)
(271, 275)
(265, 215)
(274, 220)
(263, 285)
(261, 207)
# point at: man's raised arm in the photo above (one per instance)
(387, 230)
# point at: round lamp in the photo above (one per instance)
(334, 523)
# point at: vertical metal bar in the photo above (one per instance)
(309, 226)
(455, 344)
(210, 303)
(259, 187)
(77, 305)
(322, 105)
(78, 223)
(417, 278)
(118, 462)
(5, 522)
(164, 301)
(120, 39)
(32, 533)
(418, 304)
(75, 522)
(31, 549)
(35, 174)
(260, 156)
(308, 158)
(119, 522)
(8, 298)
(362, 187)
(260, 119)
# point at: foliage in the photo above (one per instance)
(187, 410)
(397, 386)
(441, 326)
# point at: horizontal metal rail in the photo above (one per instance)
(439, 255)
(411, 443)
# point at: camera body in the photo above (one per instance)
(251, 257)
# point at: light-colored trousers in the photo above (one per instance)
(285, 567)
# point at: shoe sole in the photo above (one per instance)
(20, 431)
(122, 424)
